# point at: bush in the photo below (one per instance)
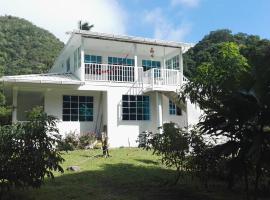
(172, 145)
(27, 151)
(86, 139)
(68, 143)
(71, 141)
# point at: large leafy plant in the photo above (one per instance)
(27, 151)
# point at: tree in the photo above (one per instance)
(234, 93)
(172, 145)
(27, 151)
(85, 26)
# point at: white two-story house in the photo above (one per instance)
(101, 82)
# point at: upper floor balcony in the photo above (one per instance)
(105, 58)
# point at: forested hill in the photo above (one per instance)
(26, 48)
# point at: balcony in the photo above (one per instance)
(129, 74)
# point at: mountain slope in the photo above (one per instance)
(26, 48)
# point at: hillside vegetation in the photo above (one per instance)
(26, 48)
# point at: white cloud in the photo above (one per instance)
(186, 3)
(60, 16)
(164, 28)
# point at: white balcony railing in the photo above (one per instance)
(106, 72)
(162, 77)
(120, 73)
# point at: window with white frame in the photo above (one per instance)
(149, 64)
(173, 109)
(135, 107)
(92, 59)
(173, 63)
(77, 108)
(121, 61)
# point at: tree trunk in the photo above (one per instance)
(246, 182)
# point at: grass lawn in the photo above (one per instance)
(130, 173)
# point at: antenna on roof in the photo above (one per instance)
(85, 26)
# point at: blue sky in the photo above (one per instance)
(248, 16)
(179, 20)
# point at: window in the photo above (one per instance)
(92, 59)
(68, 64)
(149, 64)
(120, 61)
(77, 108)
(173, 63)
(135, 107)
(173, 109)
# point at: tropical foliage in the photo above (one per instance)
(27, 151)
(230, 81)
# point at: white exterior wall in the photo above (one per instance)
(53, 106)
(120, 132)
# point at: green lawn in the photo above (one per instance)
(130, 173)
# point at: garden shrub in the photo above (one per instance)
(86, 139)
(27, 151)
(172, 145)
(68, 143)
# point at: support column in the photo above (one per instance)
(181, 65)
(136, 71)
(14, 104)
(159, 110)
(82, 60)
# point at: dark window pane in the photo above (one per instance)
(89, 118)
(133, 104)
(140, 104)
(125, 97)
(146, 117)
(139, 110)
(143, 63)
(99, 59)
(66, 104)
(125, 117)
(125, 110)
(110, 60)
(82, 98)
(74, 111)
(74, 105)
(132, 117)
(139, 117)
(82, 118)
(74, 117)
(125, 104)
(66, 117)
(139, 98)
(74, 98)
(66, 111)
(82, 105)
(66, 98)
(89, 99)
(146, 98)
(133, 110)
(132, 98)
